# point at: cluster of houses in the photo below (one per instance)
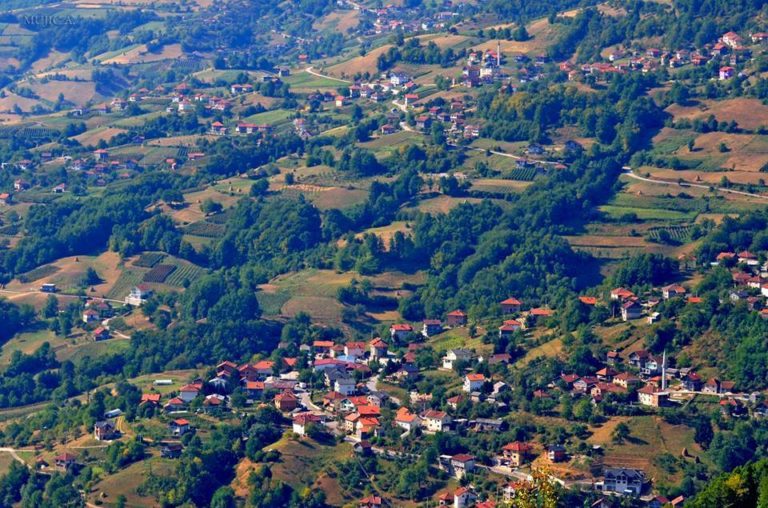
(483, 67)
(730, 50)
(392, 18)
(452, 115)
(99, 170)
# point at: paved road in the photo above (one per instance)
(58, 295)
(631, 174)
(372, 385)
(305, 398)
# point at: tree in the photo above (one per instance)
(224, 497)
(521, 34)
(620, 433)
(539, 492)
(91, 278)
(259, 188)
(582, 410)
(51, 308)
(209, 206)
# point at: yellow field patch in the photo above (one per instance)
(92, 137)
(542, 36)
(747, 112)
(77, 92)
(140, 54)
(11, 101)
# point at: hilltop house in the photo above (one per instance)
(509, 327)
(431, 327)
(456, 318)
(650, 396)
(436, 421)
(138, 295)
(456, 355)
(511, 306)
(672, 290)
(400, 331)
(378, 349)
(515, 454)
(179, 426)
(286, 401)
(407, 420)
(473, 382)
(104, 431)
(623, 480)
(631, 310)
(302, 421)
(101, 333)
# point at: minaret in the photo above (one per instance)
(664, 371)
(498, 53)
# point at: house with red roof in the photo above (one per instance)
(175, 405)
(286, 401)
(732, 40)
(370, 502)
(631, 309)
(303, 420)
(179, 426)
(378, 349)
(400, 331)
(65, 461)
(652, 397)
(672, 291)
(509, 327)
(461, 464)
(189, 392)
(621, 294)
(456, 318)
(515, 454)
(407, 420)
(322, 347)
(436, 421)
(511, 306)
(101, 333)
(218, 129)
(726, 72)
(152, 399)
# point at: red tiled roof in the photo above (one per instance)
(518, 447)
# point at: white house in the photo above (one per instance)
(302, 421)
(138, 295)
(456, 355)
(473, 382)
(344, 386)
(436, 421)
(407, 420)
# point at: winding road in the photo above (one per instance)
(631, 174)
(317, 74)
(14, 453)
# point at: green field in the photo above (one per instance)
(274, 117)
(616, 212)
(306, 80)
(128, 279)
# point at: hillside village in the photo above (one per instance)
(352, 253)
